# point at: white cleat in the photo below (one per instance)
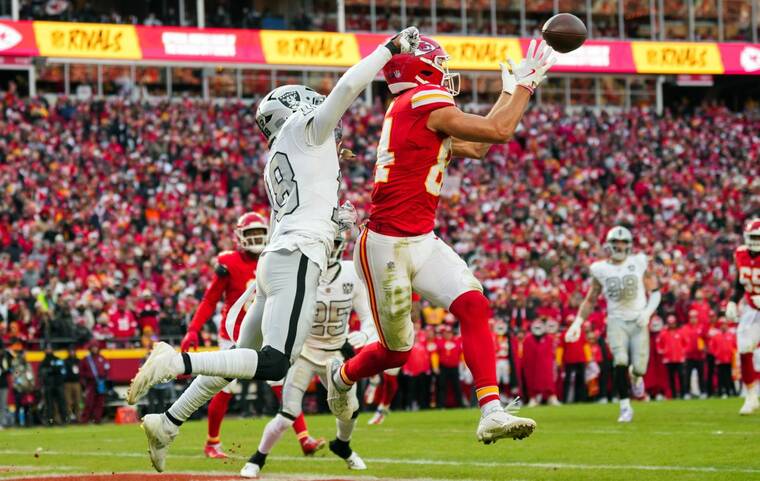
(626, 415)
(342, 403)
(355, 462)
(157, 369)
(500, 424)
(250, 470)
(378, 417)
(750, 405)
(160, 433)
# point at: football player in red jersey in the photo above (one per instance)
(234, 272)
(747, 258)
(398, 251)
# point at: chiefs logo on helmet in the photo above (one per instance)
(427, 65)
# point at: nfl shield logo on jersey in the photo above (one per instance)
(347, 288)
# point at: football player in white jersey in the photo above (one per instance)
(624, 279)
(340, 291)
(302, 177)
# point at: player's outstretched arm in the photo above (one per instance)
(652, 285)
(500, 126)
(587, 306)
(354, 81)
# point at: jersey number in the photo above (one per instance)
(331, 320)
(750, 278)
(621, 289)
(386, 158)
(282, 187)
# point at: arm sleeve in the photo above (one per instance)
(362, 309)
(350, 85)
(210, 298)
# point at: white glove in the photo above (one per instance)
(574, 331)
(532, 69)
(508, 81)
(732, 311)
(346, 216)
(406, 41)
(643, 320)
(357, 339)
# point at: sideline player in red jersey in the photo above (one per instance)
(747, 258)
(235, 271)
(398, 251)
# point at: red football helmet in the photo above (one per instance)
(252, 232)
(427, 65)
(752, 234)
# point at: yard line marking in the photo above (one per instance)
(438, 462)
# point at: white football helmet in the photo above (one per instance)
(615, 235)
(752, 235)
(252, 232)
(276, 106)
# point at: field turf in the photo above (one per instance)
(672, 440)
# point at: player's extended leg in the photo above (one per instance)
(309, 445)
(639, 348)
(747, 337)
(382, 262)
(619, 342)
(288, 313)
(297, 381)
(161, 429)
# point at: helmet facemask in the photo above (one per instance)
(449, 81)
(252, 239)
(618, 249)
(752, 241)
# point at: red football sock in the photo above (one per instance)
(277, 390)
(473, 312)
(373, 359)
(390, 386)
(217, 408)
(749, 375)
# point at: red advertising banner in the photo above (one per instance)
(17, 38)
(195, 45)
(594, 57)
(740, 58)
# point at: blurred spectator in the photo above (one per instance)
(122, 320)
(72, 388)
(5, 371)
(539, 365)
(94, 375)
(416, 374)
(51, 375)
(23, 388)
(723, 347)
(449, 350)
(672, 346)
(575, 356)
(694, 338)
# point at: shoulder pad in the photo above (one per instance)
(431, 95)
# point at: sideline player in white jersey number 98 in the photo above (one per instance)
(302, 177)
(340, 291)
(624, 279)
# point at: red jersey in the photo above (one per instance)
(449, 351)
(748, 268)
(411, 164)
(233, 274)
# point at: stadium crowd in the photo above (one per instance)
(112, 211)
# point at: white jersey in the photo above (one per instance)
(623, 286)
(302, 181)
(339, 292)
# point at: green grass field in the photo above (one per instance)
(683, 440)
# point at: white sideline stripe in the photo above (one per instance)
(435, 462)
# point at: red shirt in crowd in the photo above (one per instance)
(419, 359)
(694, 342)
(671, 344)
(574, 352)
(122, 323)
(722, 347)
(449, 351)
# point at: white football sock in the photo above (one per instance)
(196, 395)
(345, 429)
(625, 403)
(233, 363)
(273, 432)
(490, 407)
